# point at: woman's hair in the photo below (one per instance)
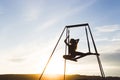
(72, 40)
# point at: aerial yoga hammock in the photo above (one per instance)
(72, 53)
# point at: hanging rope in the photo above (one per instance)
(87, 39)
(67, 34)
(52, 54)
(65, 54)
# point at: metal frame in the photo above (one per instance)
(87, 28)
(77, 25)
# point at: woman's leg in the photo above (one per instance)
(79, 53)
(68, 56)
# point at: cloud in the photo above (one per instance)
(77, 9)
(108, 46)
(106, 39)
(31, 13)
(114, 57)
(111, 62)
(108, 28)
(17, 59)
(61, 14)
(101, 39)
(31, 10)
(116, 39)
(47, 24)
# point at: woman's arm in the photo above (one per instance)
(66, 41)
(77, 40)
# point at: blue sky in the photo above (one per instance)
(29, 30)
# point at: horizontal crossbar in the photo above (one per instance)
(77, 25)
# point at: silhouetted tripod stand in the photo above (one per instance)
(87, 29)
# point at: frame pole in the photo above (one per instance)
(77, 25)
(51, 54)
(99, 62)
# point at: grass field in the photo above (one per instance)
(52, 77)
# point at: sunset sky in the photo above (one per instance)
(29, 30)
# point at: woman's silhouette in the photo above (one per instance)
(72, 53)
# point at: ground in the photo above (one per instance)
(56, 77)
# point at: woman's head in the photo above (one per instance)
(72, 40)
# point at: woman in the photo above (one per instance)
(72, 53)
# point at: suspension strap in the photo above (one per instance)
(66, 50)
(87, 39)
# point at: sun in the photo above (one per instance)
(55, 67)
